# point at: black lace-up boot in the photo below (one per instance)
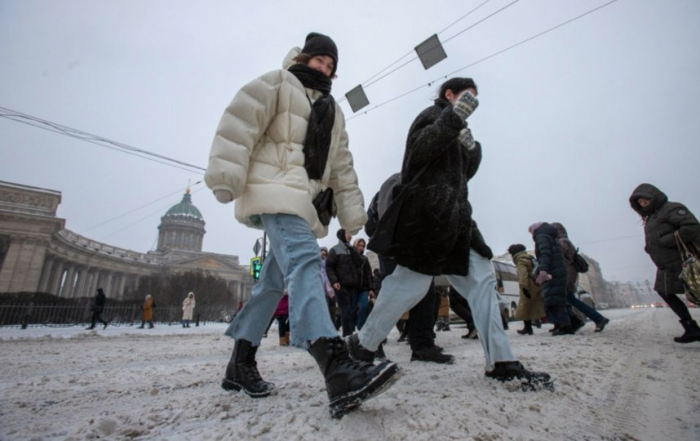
(511, 370)
(242, 372)
(349, 383)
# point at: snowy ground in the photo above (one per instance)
(630, 382)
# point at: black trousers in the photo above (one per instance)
(677, 306)
(97, 317)
(421, 318)
(460, 306)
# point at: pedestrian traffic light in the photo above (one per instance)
(255, 267)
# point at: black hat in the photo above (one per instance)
(341, 235)
(319, 44)
(515, 249)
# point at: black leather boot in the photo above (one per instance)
(349, 383)
(691, 334)
(242, 372)
(510, 370)
(358, 352)
(527, 329)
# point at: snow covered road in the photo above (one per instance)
(630, 382)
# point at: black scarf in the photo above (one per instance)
(318, 135)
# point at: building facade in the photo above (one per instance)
(37, 253)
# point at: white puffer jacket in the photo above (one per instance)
(258, 156)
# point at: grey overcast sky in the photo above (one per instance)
(570, 122)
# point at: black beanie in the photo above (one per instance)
(515, 249)
(341, 235)
(319, 44)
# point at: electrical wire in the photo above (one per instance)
(50, 126)
(413, 51)
(139, 208)
(160, 210)
(430, 83)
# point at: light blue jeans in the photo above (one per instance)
(405, 288)
(294, 261)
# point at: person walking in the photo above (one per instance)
(282, 316)
(530, 306)
(435, 234)
(147, 316)
(367, 289)
(416, 325)
(330, 292)
(98, 308)
(188, 309)
(343, 267)
(665, 222)
(551, 274)
(569, 251)
(280, 145)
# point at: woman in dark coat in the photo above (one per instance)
(569, 251)
(552, 275)
(435, 234)
(661, 220)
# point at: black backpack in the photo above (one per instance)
(580, 264)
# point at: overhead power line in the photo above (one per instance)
(368, 82)
(50, 126)
(160, 210)
(139, 208)
(430, 83)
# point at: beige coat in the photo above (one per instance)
(257, 155)
(532, 308)
(188, 308)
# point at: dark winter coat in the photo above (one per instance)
(100, 300)
(661, 219)
(366, 277)
(568, 250)
(343, 265)
(550, 259)
(436, 230)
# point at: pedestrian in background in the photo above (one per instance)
(282, 316)
(98, 308)
(343, 267)
(367, 289)
(530, 306)
(569, 251)
(147, 316)
(188, 309)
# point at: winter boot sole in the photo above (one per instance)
(386, 378)
(229, 384)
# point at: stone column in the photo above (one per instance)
(56, 277)
(68, 286)
(82, 282)
(94, 281)
(107, 284)
(120, 287)
(46, 273)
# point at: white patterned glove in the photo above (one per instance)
(223, 196)
(466, 105)
(466, 138)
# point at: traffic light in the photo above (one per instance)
(255, 267)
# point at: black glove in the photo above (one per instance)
(526, 293)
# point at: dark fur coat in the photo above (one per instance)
(436, 229)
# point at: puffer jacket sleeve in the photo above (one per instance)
(544, 246)
(683, 221)
(243, 124)
(343, 180)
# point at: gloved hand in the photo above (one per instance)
(223, 196)
(542, 277)
(466, 105)
(466, 138)
(526, 293)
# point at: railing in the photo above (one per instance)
(30, 315)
